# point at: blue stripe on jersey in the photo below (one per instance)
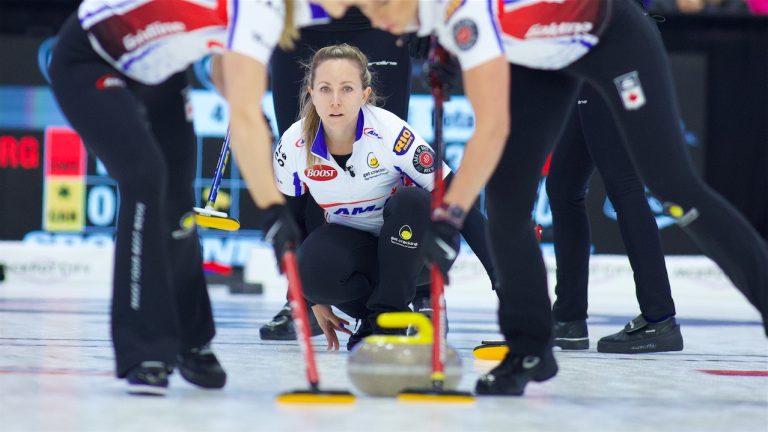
(319, 148)
(397, 168)
(413, 181)
(495, 24)
(232, 23)
(317, 11)
(586, 44)
(127, 64)
(297, 189)
(360, 124)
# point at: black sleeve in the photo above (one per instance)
(297, 206)
(474, 233)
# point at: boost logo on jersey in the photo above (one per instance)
(321, 173)
(403, 142)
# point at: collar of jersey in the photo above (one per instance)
(320, 148)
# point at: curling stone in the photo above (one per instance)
(385, 365)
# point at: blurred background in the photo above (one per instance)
(719, 54)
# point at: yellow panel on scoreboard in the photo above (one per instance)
(64, 205)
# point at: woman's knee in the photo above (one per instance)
(410, 199)
(560, 189)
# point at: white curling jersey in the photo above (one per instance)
(539, 34)
(150, 40)
(386, 151)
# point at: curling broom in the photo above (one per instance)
(437, 393)
(208, 217)
(312, 395)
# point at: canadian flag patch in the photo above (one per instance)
(630, 90)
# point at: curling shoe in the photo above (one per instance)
(281, 327)
(365, 330)
(640, 336)
(368, 328)
(511, 376)
(571, 335)
(423, 305)
(149, 378)
(200, 367)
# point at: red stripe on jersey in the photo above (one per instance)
(152, 21)
(223, 11)
(519, 22)
(349, 203)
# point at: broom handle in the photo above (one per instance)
(219, 173)
(438, 54)
(300, 317)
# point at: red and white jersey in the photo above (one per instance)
(386, 152)
(550, 34)
(467, 28)
(539, 34)
(150, 40)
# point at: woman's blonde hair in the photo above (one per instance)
(310, 116)
(290, 33)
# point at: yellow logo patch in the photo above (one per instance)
(403, 142)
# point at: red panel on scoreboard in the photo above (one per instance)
(64, 152)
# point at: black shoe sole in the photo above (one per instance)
(146, 390)
(540, 376)
(664, 343)
(207, 381)
(572, 343)
(267, 334)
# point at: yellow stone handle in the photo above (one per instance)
(422, 324)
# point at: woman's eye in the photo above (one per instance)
(325, 89)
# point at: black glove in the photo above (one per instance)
(418, 47)
(441, 241)
(281, 231)
(446, 69)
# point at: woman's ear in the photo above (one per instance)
(311, 93)
(367, 94)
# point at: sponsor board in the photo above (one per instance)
(56, 265)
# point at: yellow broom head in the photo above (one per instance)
(491, 350)
(310, 397)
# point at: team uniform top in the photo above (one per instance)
(149, 40)
(539, 34)
(386, 152)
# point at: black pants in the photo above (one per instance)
(590, 141)
(364, 275)
(541, 102)
(160, 303)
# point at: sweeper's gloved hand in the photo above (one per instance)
(441, 241)
(443, 69)
(281, 231)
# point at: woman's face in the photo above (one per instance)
(394, 16)
(338, 94)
